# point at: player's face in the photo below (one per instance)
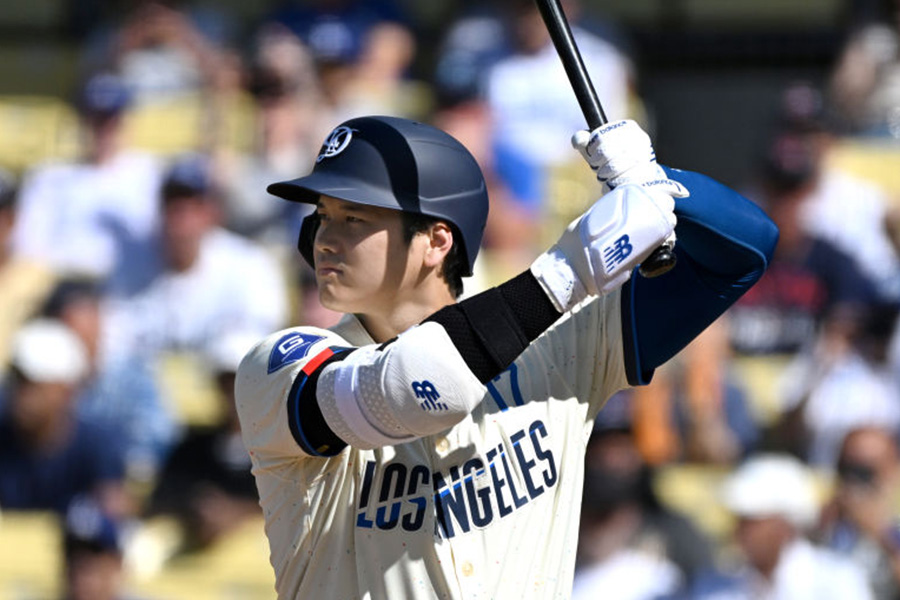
(363, 265)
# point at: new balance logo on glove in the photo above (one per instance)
(617, 252)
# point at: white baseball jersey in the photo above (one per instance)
(488, 509)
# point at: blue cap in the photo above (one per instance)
(334, 39)
(189, 175)
(104, 94)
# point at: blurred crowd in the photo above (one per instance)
(133, 279)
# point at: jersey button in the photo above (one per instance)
(442, 445)
(467, 569)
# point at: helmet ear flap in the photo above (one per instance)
(307, 236)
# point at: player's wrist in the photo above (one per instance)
(556, 275)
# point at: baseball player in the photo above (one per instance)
(427, 448)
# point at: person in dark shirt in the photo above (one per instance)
(48, 456)
(206, 482)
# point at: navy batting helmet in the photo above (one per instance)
(399, 164)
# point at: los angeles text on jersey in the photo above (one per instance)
(471, 494)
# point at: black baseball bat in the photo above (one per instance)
(663, 258)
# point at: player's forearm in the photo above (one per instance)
(492, 328)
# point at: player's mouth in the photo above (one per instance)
(324, 270)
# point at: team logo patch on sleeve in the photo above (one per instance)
(291, 348)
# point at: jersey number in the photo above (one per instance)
(511, 374)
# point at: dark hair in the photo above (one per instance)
(453, 265)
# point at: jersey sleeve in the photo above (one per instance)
(265, 379)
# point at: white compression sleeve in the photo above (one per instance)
(416, 386)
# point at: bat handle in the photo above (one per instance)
(660, 261)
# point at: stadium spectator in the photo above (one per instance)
(93, 554)
(206, 483)
(24, 283)
(342, 35)
(194, 278)
(531, 100)
(808, 304)
(695, 409)
(630, 544)
(49, 456)
(119, 392)
(865, 82)
(861, 520)
(80, 217)
(869, 232)
(284, 85)
(826, 399)
(774, 500)
(162, 53)
(470, 47)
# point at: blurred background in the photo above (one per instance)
(140, 257)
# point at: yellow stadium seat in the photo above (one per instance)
(188, 123)
(30, 554)
(877, 160)
(34, 129)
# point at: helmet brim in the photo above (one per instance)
(308, 189)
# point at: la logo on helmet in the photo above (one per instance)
(337, 141)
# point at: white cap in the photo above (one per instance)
(772, 485)
(46, 351)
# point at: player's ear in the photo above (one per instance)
(440, 241)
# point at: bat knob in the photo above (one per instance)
(659, 262)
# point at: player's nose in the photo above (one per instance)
(327, 238)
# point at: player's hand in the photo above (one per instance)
(599, 250)
(621, 153)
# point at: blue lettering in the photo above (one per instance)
(502, 508)
(519, 501)
(525, 465)
(483, 517)
(460, 501)
(413, 521)
(362, 521)
(419, 474)
(545, 455)
(367, 484)
(452, 500)
(390, 523)
(389, 471)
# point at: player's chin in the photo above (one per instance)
(334, 296)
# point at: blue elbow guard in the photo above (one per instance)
(725, 243)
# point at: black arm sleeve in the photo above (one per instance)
(492, 328)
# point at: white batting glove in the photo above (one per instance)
(621, 153)
(599, 249)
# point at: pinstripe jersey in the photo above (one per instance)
(488, 509)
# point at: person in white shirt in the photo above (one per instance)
(194, 277)
(774, 500)
(80, 217)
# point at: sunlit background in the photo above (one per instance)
(140, 256)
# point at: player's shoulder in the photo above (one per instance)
(292, 346)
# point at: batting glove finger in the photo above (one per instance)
(621, 153)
